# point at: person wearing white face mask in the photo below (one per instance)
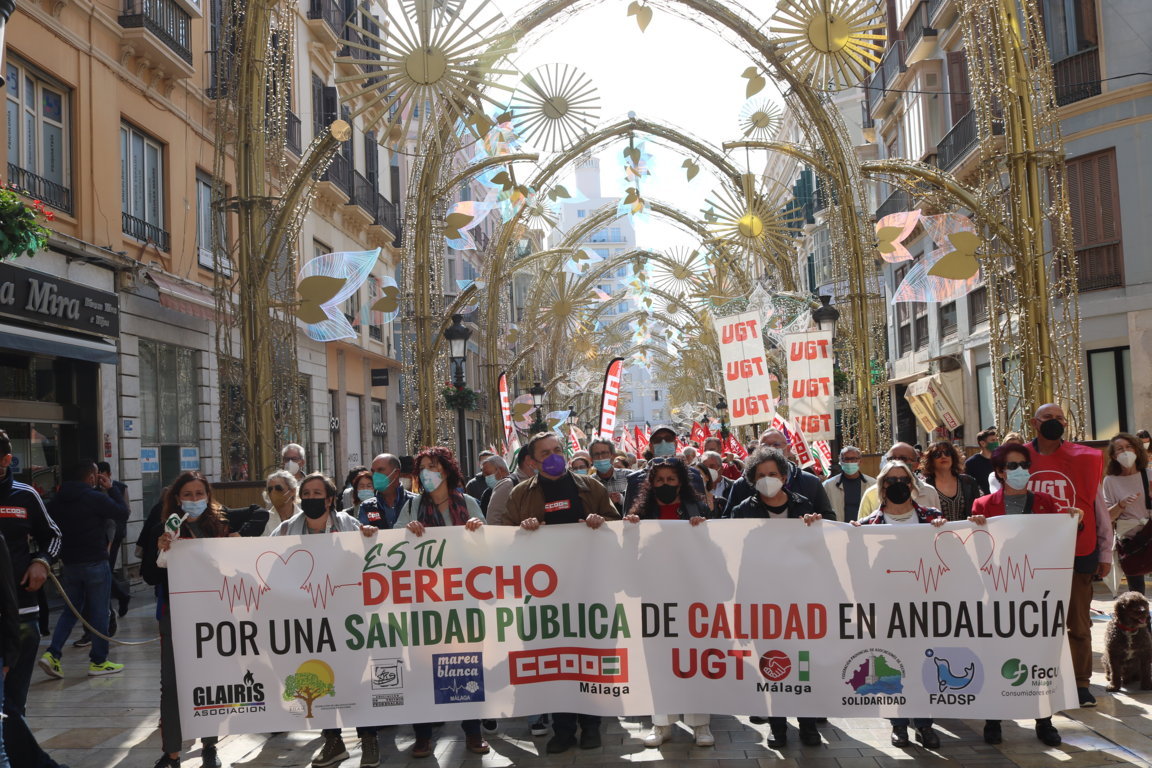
(1125, 490)
(847, 488)
(718, 486)
(767, 471)
(292, 458)
(1013, 467)
(280, 495)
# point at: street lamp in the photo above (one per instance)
(537, 391)
(457, 336)
(6, 9)
(722, 409)
(826, 315)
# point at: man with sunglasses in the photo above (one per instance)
(662, 444)
(382, 509)
(1073, 473)
(926, 494)
(799, 481)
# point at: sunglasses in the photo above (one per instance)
(1018, 465)
(897, 481)
(669, 460)
(277, 488)
(940, 455)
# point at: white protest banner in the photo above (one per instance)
(306, 632)
(747, 386)
(810, 388)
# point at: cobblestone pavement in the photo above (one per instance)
(109, 722)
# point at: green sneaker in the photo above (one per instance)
(51, 665)
(107, 668)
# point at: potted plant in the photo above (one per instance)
(22, 230)
(460, 397)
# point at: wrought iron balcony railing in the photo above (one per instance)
(163, 18)
(48, 192)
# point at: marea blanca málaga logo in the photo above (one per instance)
(458, 677)
(229, 699)
(776, 666)
(876, 676)
(952, 675)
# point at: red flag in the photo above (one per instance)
(824, 451)
(699, 432)
(800, 449)
(641, 441)
(573, 440)
(679, 445)
(609, 397)
(505, 408)
(733, 446)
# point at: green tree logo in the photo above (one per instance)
(312, 680)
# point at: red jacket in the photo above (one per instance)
(1037, 503)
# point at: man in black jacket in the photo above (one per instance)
(23, 521)
(804, 483)
(83, 514)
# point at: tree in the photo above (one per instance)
(307, 687)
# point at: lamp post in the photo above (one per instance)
(537, 391)
(722, 409)
(826, 315)
(457, 336)
(6, 9)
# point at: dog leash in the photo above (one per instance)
(89, 627)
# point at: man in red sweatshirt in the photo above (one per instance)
(1072, 473)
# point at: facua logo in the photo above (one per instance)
(1014, 670)
(586, 665)
(245, 696)
(952, 675)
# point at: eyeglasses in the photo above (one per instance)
(276, 488)
(1018, 465)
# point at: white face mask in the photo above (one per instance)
(1127, 459)
(292, 467)
(769, 486)
(715, 475)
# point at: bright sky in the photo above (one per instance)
(674, 72)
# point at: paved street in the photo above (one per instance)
(111, 722)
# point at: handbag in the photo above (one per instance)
(1136, 550)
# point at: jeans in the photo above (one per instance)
(88, 586)
(18, 738)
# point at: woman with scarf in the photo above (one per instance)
(898, 506)
(440, 503)
(318, 514)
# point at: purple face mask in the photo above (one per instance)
(554, 465)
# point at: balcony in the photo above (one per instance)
(961, 140)
(363, 194)
(866, 122)
(1099, 267)
(39, 188)
(388, 216)
(358, 55)
(145, 232)
(292, 133)
(159, 30)
(891, 65)
(896, 202)
(219, 75)
(326, 18)
(339, 174)
(919, 35)
(1077, 77)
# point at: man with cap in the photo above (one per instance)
(662, 444)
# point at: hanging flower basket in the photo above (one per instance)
(461, 397)
(22, 230)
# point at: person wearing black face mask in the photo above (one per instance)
(667, 494)
(898, 507)
(318, 514)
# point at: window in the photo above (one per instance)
(319, 248)
(986, 402)
(206, 239)
(959, 96)
(375, 324)
(379, 428)
(1070, 26)
(581, 213)
(142, 186)
(1109, 374)
(38, 136)
(168, 408)
(977, 307)
(920, 321)
(903, 313)
(948, 320)
(352, 310)
(1094, 200)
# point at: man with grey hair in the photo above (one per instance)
(476, 486)
(615, 481)
(711, 464)
(494, 470)
(799, 481)
(382, 509)
(498, 500)
(293, 459)
(845, 489)
(690, 453)
(926, 495)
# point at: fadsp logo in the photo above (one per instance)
(387, 674)
(952, 675)
(245, 696)
(458, 677)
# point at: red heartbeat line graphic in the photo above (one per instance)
(321, 592)
(928, 577)
(234, 593)
(1003, 575)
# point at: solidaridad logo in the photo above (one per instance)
(876, 676)
(952, 675)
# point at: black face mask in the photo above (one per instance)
(666, 494)
(314, 509)
(899, 493)
(1051, 429)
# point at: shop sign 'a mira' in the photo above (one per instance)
(44, 299)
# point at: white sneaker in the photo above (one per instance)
(704, 737)
(659, 735)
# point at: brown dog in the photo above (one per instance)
(1128, 644)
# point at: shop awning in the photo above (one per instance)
(934, 400)
(58, 345)
(920, 400)
(184, 297)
